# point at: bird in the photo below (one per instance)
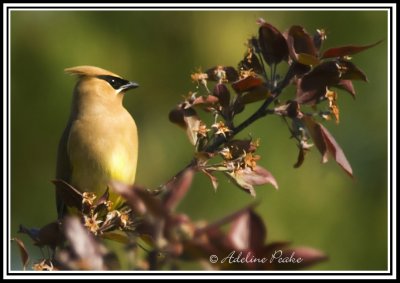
(100, 141)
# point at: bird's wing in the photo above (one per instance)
(63, 168)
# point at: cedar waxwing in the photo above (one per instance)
(100, 141)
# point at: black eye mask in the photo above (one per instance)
(115, 82)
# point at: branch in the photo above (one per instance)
(261, 112)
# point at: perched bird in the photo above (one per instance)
(100, 141)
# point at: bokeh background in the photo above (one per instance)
(316, 205)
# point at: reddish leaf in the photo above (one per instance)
(295, 69)
(176, 116)
(336, 151)
(177, 188)
(104, 197)
(247, 84)
(352, 72)
(222, 93)
(68, 194)
(248, 232)
(347, 50)
(247, 178)
(301, 46)
(347, 85)
(208, 100)
(272, 44)
(51, 235)
(256, 94)
(323, 75)
(314, 129)
(310, 97)
(23, 252)
(300, 158)
(140, 200)
(312, 86)
(326, 143)
(83, 244)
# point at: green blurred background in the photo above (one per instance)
(316, 205)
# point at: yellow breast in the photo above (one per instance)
(102, 154)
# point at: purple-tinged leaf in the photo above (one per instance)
(226, 219)
(222, 93)
(177, 188)
(321, 76)
(247, 84)
(68, 194)
(208, 100)
(314, 130)
(140, 200)
(50, 235)
(83, 244)
(351, 71)
(248, 232)
(326, 143)
(256, 94)
(272, 44)
(176, 116)
(23, 252)
(336, 151)
(104, 197)
(300, 158)
(347, 50)
(301, 46)
(247, 178)
(347, 85)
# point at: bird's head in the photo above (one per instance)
(98, 86)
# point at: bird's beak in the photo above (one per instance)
(128, 86)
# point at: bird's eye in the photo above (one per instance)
(115, 82)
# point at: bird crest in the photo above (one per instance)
(89, 71)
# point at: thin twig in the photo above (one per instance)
(261, 112)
